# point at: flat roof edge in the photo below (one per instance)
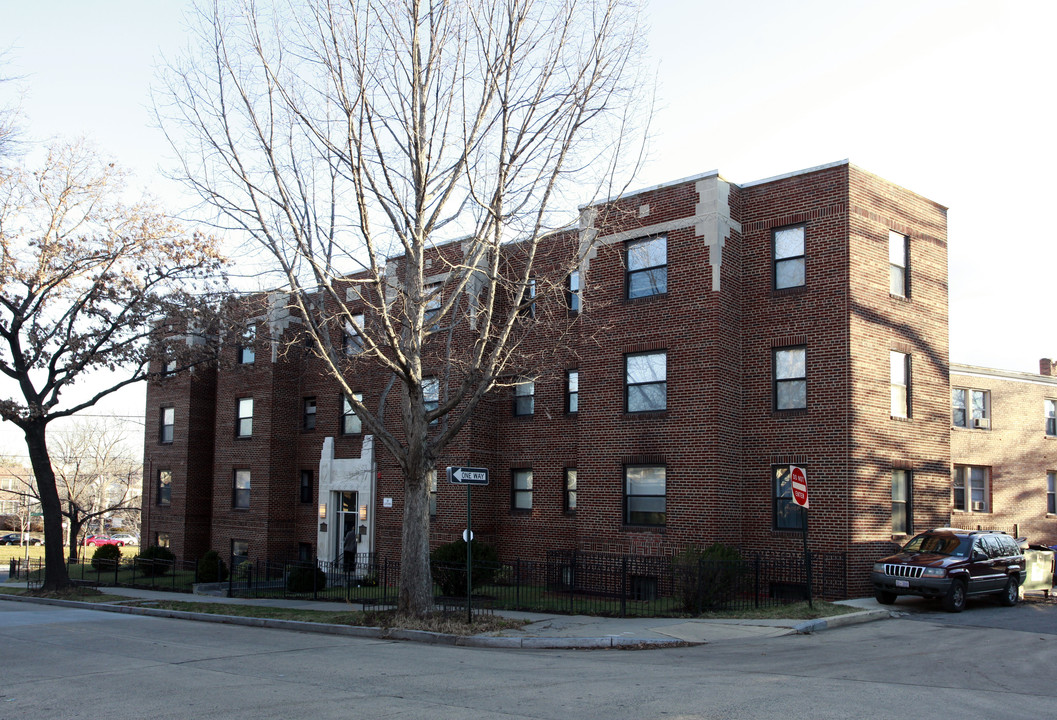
(794, 173)
(1021, 376)
(652, 188)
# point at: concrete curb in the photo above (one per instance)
(812, 626)
(423, 636)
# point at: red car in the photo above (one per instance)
(98, 540)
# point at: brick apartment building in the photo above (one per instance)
(1004, 450)
(729, 332)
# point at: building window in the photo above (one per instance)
(790, 378)
(430, 396)
(971, 488)
(787, 514)
(572, 391)
(573, 292)
(352, 340)
(240, 553)
(308, 414)
(306, 486)
(521, 491)
(167, 425)
(169, 367)
(1051, 493)
(241, 489)
(165, 487)
(350, 421)
(970, 408)
(524, 397)
(527, 305)
(647, 267)
(244, 421)
(897, 264)
(902, 514)
(161, 539)
(645, 495)
(433, 493)
(245, 349)
(569, 501)
(900, 383)
(432, 299)
(646, 382)
(789, 257)
(304, 552)
(1051, 418)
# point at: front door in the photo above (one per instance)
(348, 535)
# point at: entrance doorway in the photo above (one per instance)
(348, 536)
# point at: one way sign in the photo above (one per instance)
(468, 476)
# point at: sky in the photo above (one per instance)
(953, 100)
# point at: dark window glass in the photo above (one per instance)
(241, 490)
(308, 421)
(570, 490)
(646, 382)
(521, 491)
(525, 397)
(789, 268)
(572, 391)
(787, 514)
(164, 487)
(167, 426)
(647, 267)
(244, 424)
(901, 507)
(246, 352)
(790, 378)
(306, 486)
(645, 491)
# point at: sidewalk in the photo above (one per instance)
(542, 631)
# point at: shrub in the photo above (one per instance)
(106, 557)
(211, 568)
(244, 570)
(448, 564)
(156, 560)
(707, 579)
(304, 579)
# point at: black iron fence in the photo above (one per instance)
(565, 581)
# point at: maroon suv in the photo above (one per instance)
(950, 565)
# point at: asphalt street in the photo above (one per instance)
(74, 663)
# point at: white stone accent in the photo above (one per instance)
(337, 475)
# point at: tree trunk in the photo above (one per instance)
(75, 531)
(56, 578)
(416, 580)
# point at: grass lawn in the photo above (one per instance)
(36, 552)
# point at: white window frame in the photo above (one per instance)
(899, 383)
(898, 264)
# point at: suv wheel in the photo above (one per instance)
(885, 598)
(1011, 593)
(955, 598)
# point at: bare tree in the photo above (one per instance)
(85, 281)
(356, 140)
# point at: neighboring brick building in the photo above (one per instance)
(728, 332)
(1004, 450)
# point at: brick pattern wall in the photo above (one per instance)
(719, 436)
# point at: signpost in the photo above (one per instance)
(798, 479)
(469, 477)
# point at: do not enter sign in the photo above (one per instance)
(799, 482)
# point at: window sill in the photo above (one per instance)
(783, 292)
(900, 298)
(899, 418)
(970, 429)
(970, 513)
(787, 532)
(523, 416)
(645, 298)
(798, 412)
(520, 513)
(646, 415)
(661, 529)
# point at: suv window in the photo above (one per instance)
(945, 544)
